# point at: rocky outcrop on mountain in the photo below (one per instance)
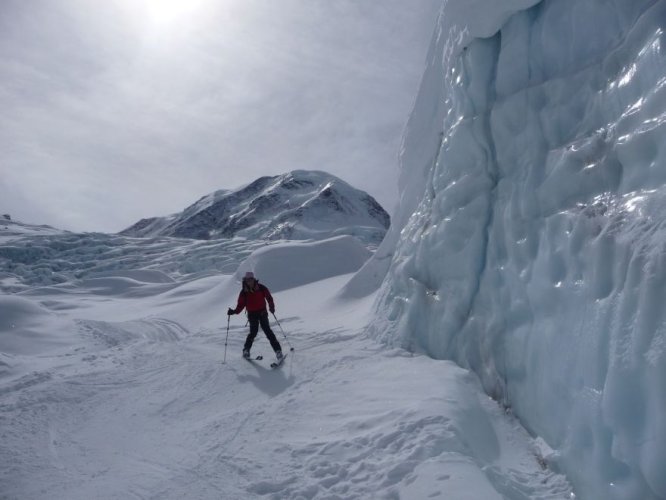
(299, 205)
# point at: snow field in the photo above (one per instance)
(136, 402)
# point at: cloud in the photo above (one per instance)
(107, 119)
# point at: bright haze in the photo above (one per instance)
(119, 110)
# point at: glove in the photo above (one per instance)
(272, 310)
(230, 311)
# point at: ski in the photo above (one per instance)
(277, 364)
(252, 360)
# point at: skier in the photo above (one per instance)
(253, 297)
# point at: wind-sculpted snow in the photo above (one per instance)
(530, 243)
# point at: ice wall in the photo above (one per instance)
(530, 242)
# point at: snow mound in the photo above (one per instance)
(22, 327)
(16, 312)
(288, 265)
(130, 283)
(120, 286)
(141, 275)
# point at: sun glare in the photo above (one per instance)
(167, 11)
(164, 14)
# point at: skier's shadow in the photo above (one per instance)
(268, 380)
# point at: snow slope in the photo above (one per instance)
(298, 205)
(115, 387)
(529, 243)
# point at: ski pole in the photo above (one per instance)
(226, 339)
(285, 335)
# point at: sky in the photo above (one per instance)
(118, 110)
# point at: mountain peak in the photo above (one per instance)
(297, 205)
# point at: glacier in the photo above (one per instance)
(529, 241)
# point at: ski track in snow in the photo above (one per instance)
(144, 408)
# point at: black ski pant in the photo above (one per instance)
(256, 319)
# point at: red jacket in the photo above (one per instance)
(255, 300)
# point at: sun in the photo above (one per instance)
(166, 13)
